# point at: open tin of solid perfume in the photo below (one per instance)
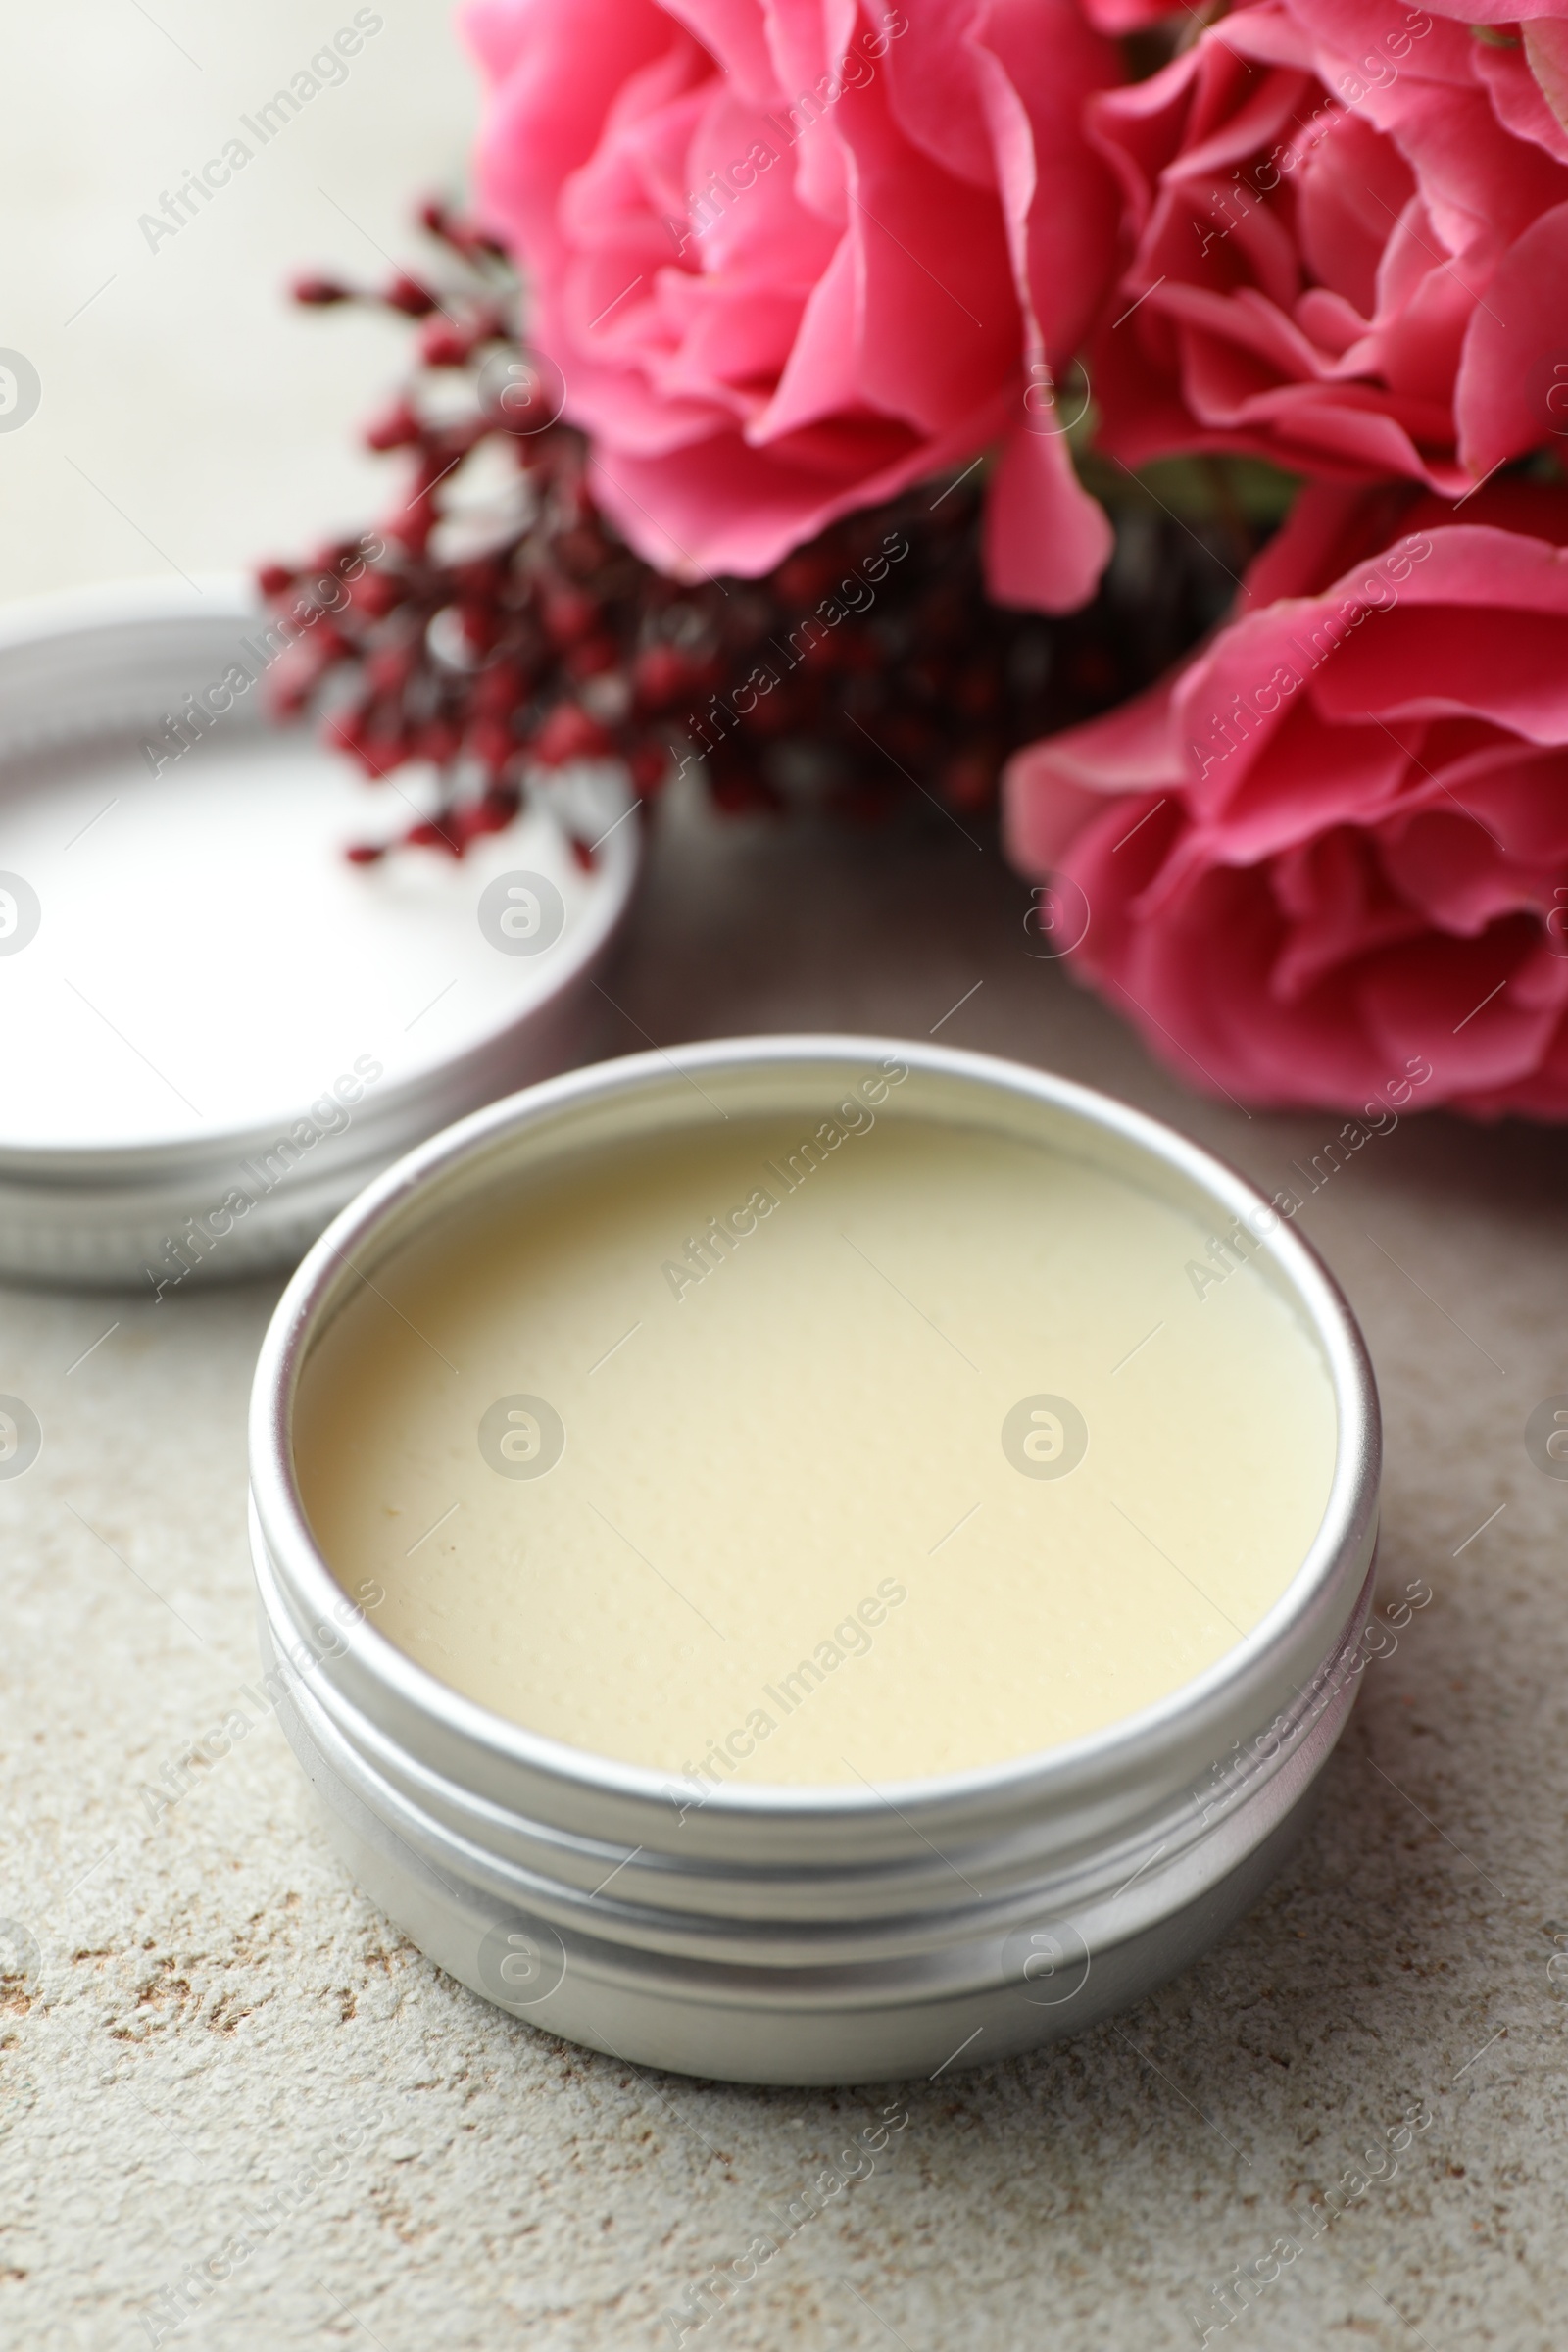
(812, 1559)
(216, 1027)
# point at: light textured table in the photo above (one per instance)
(199, 1999)
(212, 1999)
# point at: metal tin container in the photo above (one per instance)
(815, 1934)
(218, 1029)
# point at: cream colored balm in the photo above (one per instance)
(816, 1450)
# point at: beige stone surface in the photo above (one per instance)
(209, 1998)
(196, 1998)
(189, 418)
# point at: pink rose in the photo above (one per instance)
(1508, 16)
(1348, 227)
(791, 257)
(1125, 16)
(1334, 846)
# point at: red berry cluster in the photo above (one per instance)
(495, 640)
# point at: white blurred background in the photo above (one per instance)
(190, 418)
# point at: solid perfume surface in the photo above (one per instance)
(914, 1451)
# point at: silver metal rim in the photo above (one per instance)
(1333, 1570)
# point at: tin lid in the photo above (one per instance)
(192, 972)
